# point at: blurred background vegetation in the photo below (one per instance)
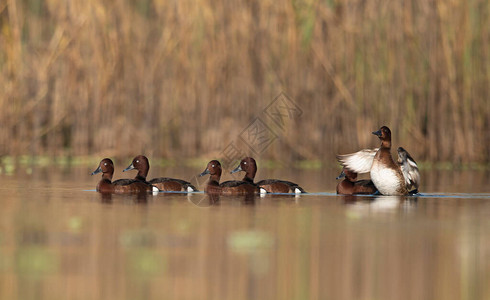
(183, 79)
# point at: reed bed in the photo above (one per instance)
(183, 79)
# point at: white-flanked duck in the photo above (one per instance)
(389, 177)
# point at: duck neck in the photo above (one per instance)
(386, 144)
(143, 171)
(107, 177)
(140, 176)
(248, 179)
(250, 172)
(214, 179)
(350, 178)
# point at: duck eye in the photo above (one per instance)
(244, 162)
(137, 161)
(212, 166)
(105, 164)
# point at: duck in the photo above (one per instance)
(409, 169)
(349, 186)
(227, 188)
(142, 164)
(121, 186)
(249, 166)
(390, 177)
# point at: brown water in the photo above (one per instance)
(59, 239)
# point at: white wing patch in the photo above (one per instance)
(359, 162)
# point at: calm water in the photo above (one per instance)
(59, 239)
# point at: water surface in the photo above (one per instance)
(59, 239)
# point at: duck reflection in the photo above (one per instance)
(387, 203)
(283, 198)
(246, 199)
(203, 200)
(139, 198)
(106, 198)
(354, 199)
(212, 199)
(381, 203)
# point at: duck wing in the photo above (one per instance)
(186, 186)
(233, 183)
(124, 181)
(280, 186)
(359, 162)
(409, 169)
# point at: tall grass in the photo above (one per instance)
(184, 78)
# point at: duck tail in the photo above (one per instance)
(190, 188)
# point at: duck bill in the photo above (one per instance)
(237, 169)
(99, 169)
(129, 168)
(377, 133)
(342, 175)
(204, 173)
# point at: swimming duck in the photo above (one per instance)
(349, 186)
(142, 164)
(229, 188)
(121, 186)
(249, 166)
(390, 178)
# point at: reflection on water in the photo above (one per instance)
(58, 241)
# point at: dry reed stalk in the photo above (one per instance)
(183, 79)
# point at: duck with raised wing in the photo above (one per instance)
(410, 170)
(249, 166)
(167, 184)
(389, 177)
